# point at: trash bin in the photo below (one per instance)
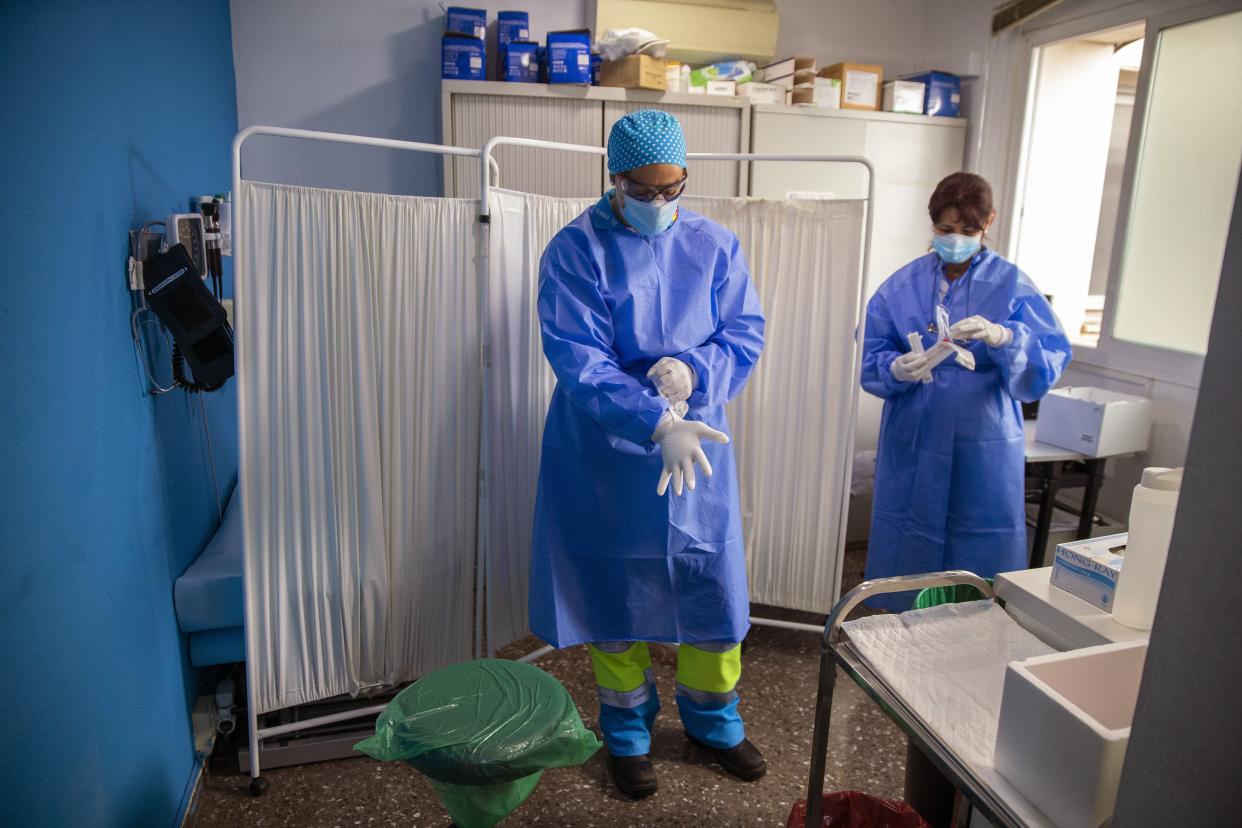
(956, 594)
(483, 732)
(852, 809)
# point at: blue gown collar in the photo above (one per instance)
(602, 216)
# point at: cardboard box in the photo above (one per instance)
(785, 83)
(1063, 728)
(860, 84)
(721, 87)
(904, 96)
(1094, 421)
(634, 72)
(1090, 569)
(761, 93)
(786, 66)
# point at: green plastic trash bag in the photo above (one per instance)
(482, 731)
(953, 594)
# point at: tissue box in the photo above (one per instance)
(1064, 726)
(1094, 421)
(1090, 569)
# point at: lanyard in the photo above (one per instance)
(935, 297)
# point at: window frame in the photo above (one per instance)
(1164, 364)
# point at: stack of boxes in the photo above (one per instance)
(463, 48)
(518, 58)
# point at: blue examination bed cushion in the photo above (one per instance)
(209, 595)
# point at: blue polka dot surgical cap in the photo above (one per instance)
(647, 136)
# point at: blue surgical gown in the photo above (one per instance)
(949, 480)
(612, 560)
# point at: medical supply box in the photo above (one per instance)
(904, 96)
(860, 84)
(823, 93)
(569, 57)
(1094, 421)
(762, 93)
(943, 95)
(521, 62)
(634, 72)
(721, 87)
(1090, 568)
(462, 57)
(472, 22)
(785, 68)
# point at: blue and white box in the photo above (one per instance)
(512, 26)
(944, 93)
(472, 22)
(1090, 568)
(462, 57)
(569, 57)
(521, 62)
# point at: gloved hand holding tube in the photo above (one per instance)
(976, 327)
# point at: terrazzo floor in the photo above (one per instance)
(866, 752)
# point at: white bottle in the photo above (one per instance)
(1147, 548)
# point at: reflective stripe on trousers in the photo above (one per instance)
(707, 676)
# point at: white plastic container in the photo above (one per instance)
(1095, 422)
(1151, 527)
(1064, 727)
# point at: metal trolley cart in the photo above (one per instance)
(999, 807)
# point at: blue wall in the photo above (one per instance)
(105, 492)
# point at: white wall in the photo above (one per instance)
(887, 32)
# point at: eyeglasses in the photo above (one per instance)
(642, 192)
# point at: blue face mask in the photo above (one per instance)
(955, 248)
(650, 218)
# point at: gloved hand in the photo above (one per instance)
(910, 367)
(673, 379)
(976, 327)
(679, 441)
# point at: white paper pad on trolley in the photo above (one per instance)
(948, 664)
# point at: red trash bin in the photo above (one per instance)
(852, 809)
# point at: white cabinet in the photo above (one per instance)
(475, 111)
(910, 153)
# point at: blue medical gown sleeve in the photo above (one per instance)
(723, 363)
(1039, 351)
(882, 343)
(577, 339)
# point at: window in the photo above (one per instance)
(1184, 181)
(1082, 98)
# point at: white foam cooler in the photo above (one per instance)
(1064, 726)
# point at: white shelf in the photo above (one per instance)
(1062, 620)
(861, 115)
(588, 93)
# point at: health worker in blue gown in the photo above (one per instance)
(651, 325)
(949, 482)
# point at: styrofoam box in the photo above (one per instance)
(1064, 726)
(1094, 421)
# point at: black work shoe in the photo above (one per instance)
(742, 760)
(634, 775)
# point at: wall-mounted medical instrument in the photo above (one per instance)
(193, 315)
(167, 272)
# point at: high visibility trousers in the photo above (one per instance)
(707, 676)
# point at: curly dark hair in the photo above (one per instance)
(969, 194)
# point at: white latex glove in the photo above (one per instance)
(679, 441)
(976, 327)
(673, 379)
(910, 367)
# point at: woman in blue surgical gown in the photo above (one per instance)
(646, 309)
(949, 483)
